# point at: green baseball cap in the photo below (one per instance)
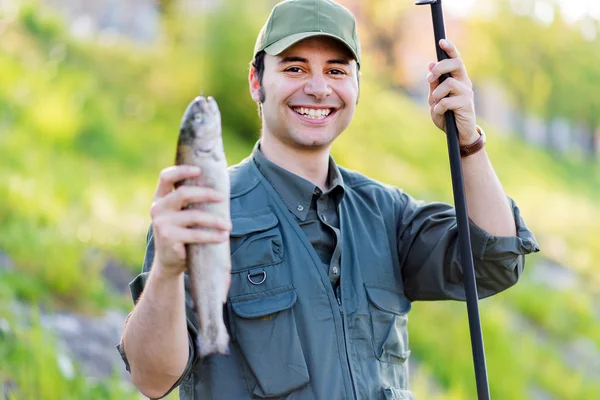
(294, 20)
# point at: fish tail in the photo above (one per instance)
(219, 344)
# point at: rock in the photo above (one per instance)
(65, 364)
(6, 263)
(555, 276)
(583, 355)
(7, 388)
(87, 343)
(537, 393)
(4, 327)
(117, 276)
(90, 342)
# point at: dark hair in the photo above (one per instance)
(259, 66)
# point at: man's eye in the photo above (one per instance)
(337, 72)
(293, 69)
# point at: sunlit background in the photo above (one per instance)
(91, 95)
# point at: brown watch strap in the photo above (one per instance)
(474, 147)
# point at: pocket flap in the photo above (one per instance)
(392, 393)
(265, 303)
(388, 299)
(243, 224)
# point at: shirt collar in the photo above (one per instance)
(295, 191)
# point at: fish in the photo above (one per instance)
(200, 143)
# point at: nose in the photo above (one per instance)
(317, 87)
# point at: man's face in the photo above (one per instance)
(311, 93)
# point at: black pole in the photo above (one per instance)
(460, 204)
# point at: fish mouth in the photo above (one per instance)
(314, 115)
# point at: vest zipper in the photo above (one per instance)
(337, 291)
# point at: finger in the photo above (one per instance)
(432, 88)
(432, 84)
(455, 67)
(176, 235)
(431, 65)
(198, 218)
(453, 103)
(171, 175)
(449, 48)
(192, 235)
(452, 87)
(183, 196)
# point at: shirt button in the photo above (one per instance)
(334, 270)
(299, 208)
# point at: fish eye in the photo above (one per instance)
(198, 118)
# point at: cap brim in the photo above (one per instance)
(283, 44)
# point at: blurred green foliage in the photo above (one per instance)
(85, 129)
(550, 69)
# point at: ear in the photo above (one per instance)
(358, 82)
(254, 84)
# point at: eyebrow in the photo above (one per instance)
(290, 59)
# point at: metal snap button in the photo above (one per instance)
(264, 278)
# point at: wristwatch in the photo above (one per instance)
(474, 147)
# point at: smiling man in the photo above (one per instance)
(325, 261)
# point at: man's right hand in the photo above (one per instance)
(174, 227)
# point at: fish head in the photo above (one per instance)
(201, 125)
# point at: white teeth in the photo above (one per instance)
(313, 113)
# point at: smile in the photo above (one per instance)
(314, 113)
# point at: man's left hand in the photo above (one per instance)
(460, 89)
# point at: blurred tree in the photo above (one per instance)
(381, 29)
(169, 19)
(224, 38)
(550, 69)
(166, 6)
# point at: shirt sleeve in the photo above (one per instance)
(137, 286)
(429, 252)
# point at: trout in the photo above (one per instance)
(208, 265)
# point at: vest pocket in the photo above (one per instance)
(388, 309)
(255, 240)
(265, 330)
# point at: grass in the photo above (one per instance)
(31, 363)
(82, 143)
(515, 358)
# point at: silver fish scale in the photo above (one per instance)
(209, 265)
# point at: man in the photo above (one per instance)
(325, 262)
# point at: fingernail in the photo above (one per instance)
(444, 42)
(430, 77)
(194, 168)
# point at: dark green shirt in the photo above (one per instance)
(316, 211)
